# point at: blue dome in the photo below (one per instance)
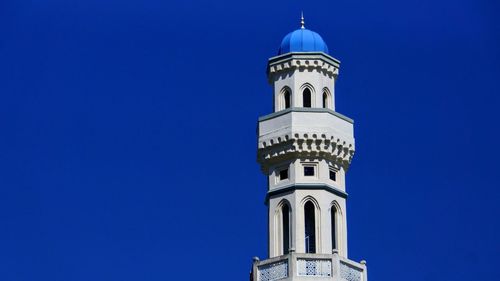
(302, 40)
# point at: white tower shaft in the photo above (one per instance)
(305, 148)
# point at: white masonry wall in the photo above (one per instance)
(298, 136)
(323, 201)
(296, 80)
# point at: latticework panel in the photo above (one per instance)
(273, 271)
(349, 272)
(312, 267)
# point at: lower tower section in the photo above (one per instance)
(307, 219)
(305, 154)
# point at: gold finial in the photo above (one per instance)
(302, 20)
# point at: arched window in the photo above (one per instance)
(333, 214)
(310, 227)
(306, 98)
(287, 99)
(285, 212)
(327, 99)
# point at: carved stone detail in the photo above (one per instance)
(349, 273)
(273, 271)
(305, 145)
(292, 64)
(314, 267)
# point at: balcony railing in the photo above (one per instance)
(349, 272)
(273, 271)
(314, 267)
(296, 266)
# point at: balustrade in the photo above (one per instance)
(296, 266)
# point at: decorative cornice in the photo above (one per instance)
(304, 55)
(305, 145)
(293, 187)
(302, 109)
(318, 61)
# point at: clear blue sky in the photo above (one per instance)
(128, 147)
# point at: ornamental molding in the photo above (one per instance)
(305, 145)
(319, 62)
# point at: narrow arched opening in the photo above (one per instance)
(335, 240)
(287, 97)
(310, 227)
(306, 98)
(285, 212)
(325, 100)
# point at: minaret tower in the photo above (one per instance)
(305, 148)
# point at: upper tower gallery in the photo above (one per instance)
(314, 87)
